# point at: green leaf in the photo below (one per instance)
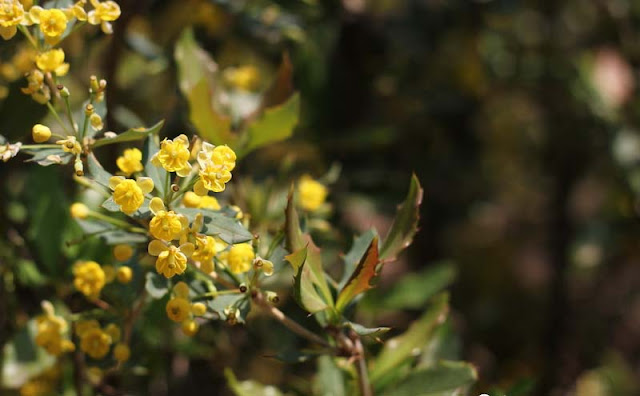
(239, 301)
(353, 257)
(156, 285)
(304, 290)
(360, 280)
(330, 379)
(196, 70)
(297, 258)
(249, 388)
(449, 378)
(48, 156)
(311, 275)
(367, 331)
(129, 135)
(217, 224)
(156, 173)
(413, 290)
(275, 124)
(405, 224)
(399, 349)
(97, 171)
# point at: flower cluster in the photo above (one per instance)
(96, 341)
(51, 330)
(181, 310)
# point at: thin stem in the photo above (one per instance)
(57, 117)
(116, 222)
(361, 367)
(69, 115)
(277, 314)
(39, 146)
(85, 124)
(23, 29)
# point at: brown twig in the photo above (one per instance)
(361, 367)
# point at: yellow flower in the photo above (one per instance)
(129, 194)
(312, 193)
(122, 252)
(113, 331)
(166, 225)
(174, 156)
(124, 274)
(246, 78)
(52, 61)
(208, 202)
(130, 161)
(95, 343)
(76, 11)
(79, 211)
(70, 145)
(240, 258)
(190, 327)
(53, 22)
(83, 326)
(171, 260)
(191, 200)
(50, 329)
(96, 122)
(178, 309)
(181, 290)
(265, 266)
(104, 12)
(206, 249)
(216, 164)
(89, 278)
(36, 87)
(121, 352)
(40, 133)
(11, 15)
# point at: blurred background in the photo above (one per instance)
(520, 118)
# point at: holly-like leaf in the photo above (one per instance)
(130, 135)
(304, 291)
(398, 350)
(97, 172)
(450, 378)
(355, 254)
(217, 224)
(195, 75)
(405, 225)
(360, 280)
(311, 275)
(275, 124)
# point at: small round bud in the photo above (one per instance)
(89, 109)
(40, 133)
(190, 327)
(198, 309)
(78, 167)
(122, 252)
(243, 288)
(93, 84)
(181, 290)
(121, 352)
(79, 211)
(272, 297)
(175, 188)
(191, 199)
(124, 274)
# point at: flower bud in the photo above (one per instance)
(190, 327)
(198, 309)
(78, 167)
(272, 297)
(79, 211)
(122, 252)
(121, 352)
(124, 274)
(40, 133)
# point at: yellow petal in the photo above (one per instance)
(156, 247)
(114, 181)
(145, 184)
(187, 249)
(184, 172)
(34, 13)
(156, 205)
(182, 138)
(200, 189)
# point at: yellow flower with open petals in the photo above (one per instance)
(178, 309)
(70, 145)
(11, 15)
(50, 330)
(206, 249)
(129, 194)
(52, 61)
(174, 156)
(239, 258)
(89, 278)
(95, 343)
(216, 164)
(172, 260)
(130, 161)
(53, 22)
(166, 225)
(103, 13)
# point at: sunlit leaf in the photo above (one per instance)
(353, 257)
(249, 388)
(405, 224)
(275, 124)
(304, 290)
(367, 331)
(360, 280)
(129, 135)
(445, 378)
(195, 75)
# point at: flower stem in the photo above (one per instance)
(69, 115)
(57, 117)
(116, 222)
(23, 29)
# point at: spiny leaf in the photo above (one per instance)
(361, 277)
(355, 254)
(195, 74)
(297, 258)
(129, 135)
(275, 124)
(304, 290)
(398, 350)
(405, 224)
